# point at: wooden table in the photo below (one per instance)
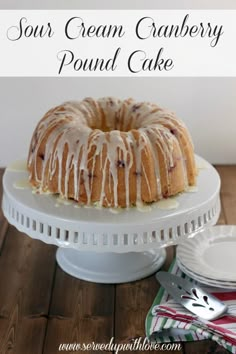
(41, 306)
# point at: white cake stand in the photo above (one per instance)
(106, 247)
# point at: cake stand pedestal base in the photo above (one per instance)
(110, 268)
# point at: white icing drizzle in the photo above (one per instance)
(169, 203)
(18, 166)
(62, 201)
(201, 165)
(106, 133)
(191, 189)
(22, 184)
(115, 210)
(144, 208)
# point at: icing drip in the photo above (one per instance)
(169, 203)
(92, 137)
(191, 189)
(22, 184)
(18, 166)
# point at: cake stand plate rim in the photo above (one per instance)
(146, 231)
(103, 217)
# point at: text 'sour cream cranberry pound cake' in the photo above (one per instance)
(111, 153)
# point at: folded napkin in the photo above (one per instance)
(168, 321)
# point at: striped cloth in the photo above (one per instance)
(168, 321)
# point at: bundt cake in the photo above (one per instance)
(111, 153)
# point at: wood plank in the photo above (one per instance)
(133, 301)
(222, 217)
(27, 271)
(1, 175)
(228, 192)
(204, 347)
(3, 221)
(80, 312)
(22, 335)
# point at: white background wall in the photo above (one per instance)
(207, 105)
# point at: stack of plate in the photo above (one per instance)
(210, 256)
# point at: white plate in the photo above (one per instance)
(207, 281)
(211, 253)
(206, 278)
